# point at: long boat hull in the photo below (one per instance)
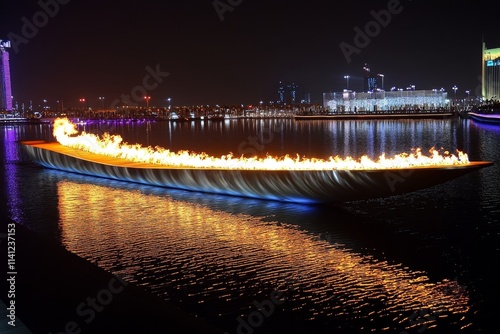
(302, 186)
(485, 118)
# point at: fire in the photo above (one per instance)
(67, 135)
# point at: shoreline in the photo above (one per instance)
(382, 115)
(297, 116)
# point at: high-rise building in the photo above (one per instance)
(291, 93)
(5, 87)
(490, 78)
(371, 80)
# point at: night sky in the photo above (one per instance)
(87, 49)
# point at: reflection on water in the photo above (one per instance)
(12, 187)
(192, 254)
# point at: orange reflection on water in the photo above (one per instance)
(132, 233)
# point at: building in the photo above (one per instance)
(372, 81)
(490, 74)
(291, 93)
(5, 86)
(349, 101)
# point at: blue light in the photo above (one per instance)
(296, 186)
(493, 62)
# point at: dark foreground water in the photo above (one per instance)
(419, 263)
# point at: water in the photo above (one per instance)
(419, 263)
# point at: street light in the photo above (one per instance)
(455, 90)
(147, 98)
(347, 79)
(468, 97)
(62, 105)
(44, 106)
(102, 102)
(83, 103)
(169, 100)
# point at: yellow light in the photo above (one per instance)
(113, 146)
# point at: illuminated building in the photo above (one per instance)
(382, 100)
(372, 82)
(291, 93)
(5, 87)
(490, 78)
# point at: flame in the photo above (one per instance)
(67, 135)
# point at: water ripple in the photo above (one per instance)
(218, 264)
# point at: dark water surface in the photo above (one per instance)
(418, 263)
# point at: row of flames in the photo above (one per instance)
(67, 135)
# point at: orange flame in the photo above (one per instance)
(113, 146)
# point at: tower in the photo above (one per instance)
(290, 93)
(5, 87)
(371, 80)
(490, 76)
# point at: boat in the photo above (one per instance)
(487, 112)
(193, 117)
(313, 186)
(175, 117)
(485, 118)
(18, 120)
(216, 117)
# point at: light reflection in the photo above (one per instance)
(372, 137)
(486, 126)
(10, 148)
(171, 245)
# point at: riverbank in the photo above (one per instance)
(17, 120)
(379, 115)
(56, 291)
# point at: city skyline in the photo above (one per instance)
(232, 52)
